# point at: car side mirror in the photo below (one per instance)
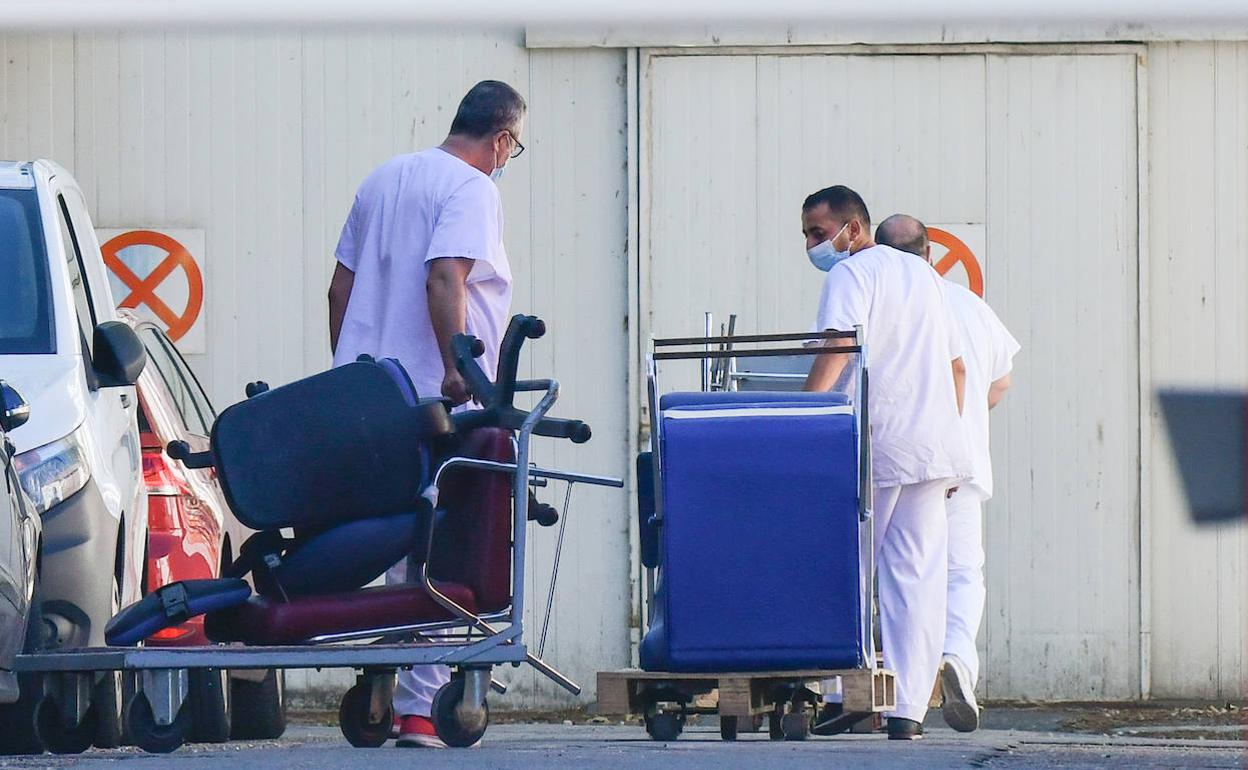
(119, 355)
(15, 411)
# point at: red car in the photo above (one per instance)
(192, 534)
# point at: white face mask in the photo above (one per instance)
(498, 173)
(825, 256)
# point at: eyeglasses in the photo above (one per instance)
(516, 151)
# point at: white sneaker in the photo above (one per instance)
(959, 708)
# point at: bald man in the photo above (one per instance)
(988, 350)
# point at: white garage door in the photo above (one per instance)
(1031, 160)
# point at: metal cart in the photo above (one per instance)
(158, 713)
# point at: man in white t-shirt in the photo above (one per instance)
(988, 349)
(420, 260)
(918, 446)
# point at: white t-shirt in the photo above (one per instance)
(988, 350)
(911, 338)
(410, 210)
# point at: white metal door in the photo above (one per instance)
(1036, 154)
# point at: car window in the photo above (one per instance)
(26, 315)
(77, 277)
(198, 397)
(179, 389)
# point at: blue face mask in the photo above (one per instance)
(498, 174)
(825, 256)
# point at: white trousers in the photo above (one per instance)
(414, 690)
(911, 565)
(966, 595)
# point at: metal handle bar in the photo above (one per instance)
(693, 355)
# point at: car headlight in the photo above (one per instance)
(53, 472)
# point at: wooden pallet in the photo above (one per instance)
(739, 694)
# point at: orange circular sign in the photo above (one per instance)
(958, 252)
(143, 290)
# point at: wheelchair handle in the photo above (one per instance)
(497, 397)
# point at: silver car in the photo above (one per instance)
(20, 537)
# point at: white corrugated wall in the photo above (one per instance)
(260, 138)
(1198, 258)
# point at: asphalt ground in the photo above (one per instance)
(1011, 738)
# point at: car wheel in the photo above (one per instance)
(17, 720)
(106, 697)
(259, 708)
(210, 705)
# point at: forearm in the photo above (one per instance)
(959, 382)
(339, 295)
(996, 391)
(825, 372)
(447, 313)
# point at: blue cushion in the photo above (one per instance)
(351, 555)
(173, 604)
(760, 565)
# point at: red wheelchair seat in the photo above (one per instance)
(263, 620)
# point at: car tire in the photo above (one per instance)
(259, 708)
(210, 705)
(17, 720)
(106, 697)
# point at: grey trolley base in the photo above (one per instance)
(789, 700)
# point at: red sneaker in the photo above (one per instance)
(416, 732)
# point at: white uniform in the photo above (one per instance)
(918, 447)
(988, 351)
(413, 209)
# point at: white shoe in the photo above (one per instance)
(959, 708)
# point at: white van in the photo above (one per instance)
(64, 349)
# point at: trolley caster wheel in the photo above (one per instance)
(151, 737)
(774, 719)
(456, 728)
(58, 737)
(665, 726)
(795, 726)
(728, 728)
(356, 723)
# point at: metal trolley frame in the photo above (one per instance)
(157, 716)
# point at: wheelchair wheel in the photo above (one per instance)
(452, 727)
(58, 737)
(774, 719)
(151, 737)
(353, 719)
(795, 725)
(665, 726)
(728, 728)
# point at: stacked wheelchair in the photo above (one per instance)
(366, 474)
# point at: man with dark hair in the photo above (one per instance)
(989, 350)
(918, 448)
(420, 260)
